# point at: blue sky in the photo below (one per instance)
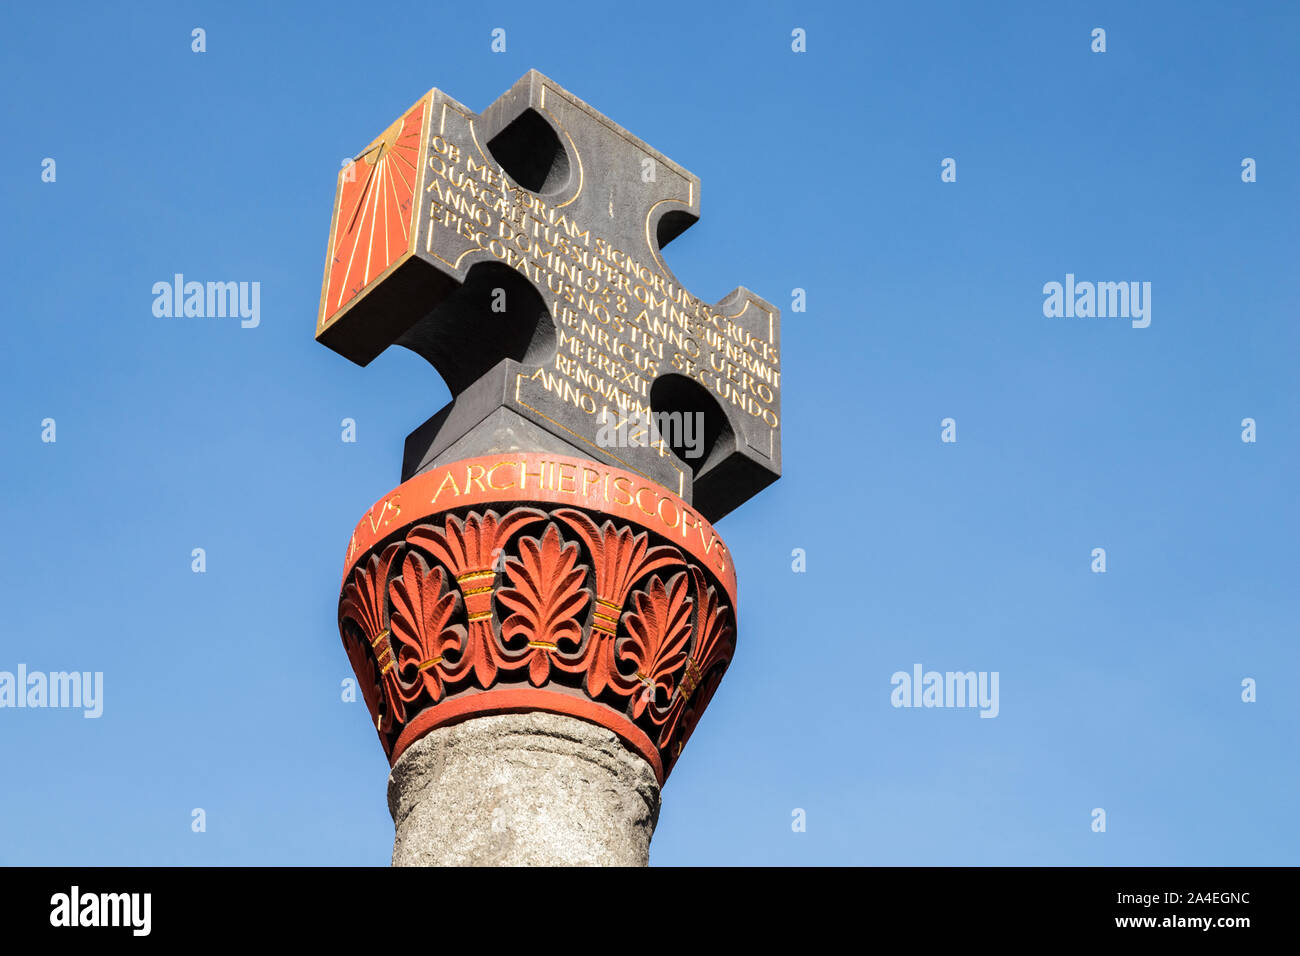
(820, 171)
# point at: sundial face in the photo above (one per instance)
(372, 226)
(518, 250)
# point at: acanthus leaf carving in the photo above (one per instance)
(546, 594)
(620, 557)
(470, 549)
(421, 624)
(364, 603)
(715, 642)
(643, 629)
(658, 629)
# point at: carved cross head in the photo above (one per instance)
(518, 250)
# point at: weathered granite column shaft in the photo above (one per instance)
(534, 789)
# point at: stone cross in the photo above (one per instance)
(519, 251)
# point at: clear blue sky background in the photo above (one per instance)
(820, 171)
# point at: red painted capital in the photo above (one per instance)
(521, 582)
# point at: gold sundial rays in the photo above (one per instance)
(377, 207)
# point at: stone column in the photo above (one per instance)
(539, 614)
(535, 637)
(534, 789)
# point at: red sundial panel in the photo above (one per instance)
(374, 212)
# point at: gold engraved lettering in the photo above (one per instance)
(446, 480)
(622, 320)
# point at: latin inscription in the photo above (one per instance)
(584, 484)
(620, 321)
